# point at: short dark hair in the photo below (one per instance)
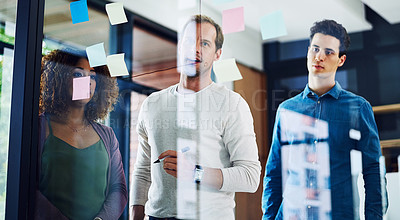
(57, 69)
(332, 28)
(219, 38)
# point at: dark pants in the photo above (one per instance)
(155, 218)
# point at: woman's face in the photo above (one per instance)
(83, 69)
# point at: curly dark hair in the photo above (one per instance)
(57, 70)
(332, 28)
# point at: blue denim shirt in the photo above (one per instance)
(343, 111)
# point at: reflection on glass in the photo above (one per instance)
(6, 70)
(210, 120)
(305, 167)
(7, 40)
(159, 59)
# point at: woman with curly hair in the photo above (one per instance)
(80, 167)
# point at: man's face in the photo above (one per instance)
(197, 49)
(323, 56)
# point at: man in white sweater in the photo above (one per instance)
(213, 124)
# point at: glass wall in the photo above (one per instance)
(81, 173)
(96, 144)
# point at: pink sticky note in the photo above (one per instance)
(81, 88)
(233, 20)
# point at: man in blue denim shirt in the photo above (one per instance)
(324, 99)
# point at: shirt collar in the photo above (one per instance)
(334, 92)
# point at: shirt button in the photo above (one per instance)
(319, 101)
(315, 141)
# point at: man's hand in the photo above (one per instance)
(170, 166)
(212, 177)
(137, 212)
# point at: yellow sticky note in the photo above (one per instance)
(227, 70)
(116, 65)
(116, 13)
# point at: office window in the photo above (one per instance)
(156, 55)
(7, 33)
(58, 26)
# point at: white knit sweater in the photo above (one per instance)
(217, 125)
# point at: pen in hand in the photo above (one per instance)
(183, 150)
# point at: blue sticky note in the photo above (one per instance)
(79, 11)
(273, 25)
(96, 55)
(222, 1)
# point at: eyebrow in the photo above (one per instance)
(328, 49)
(83, 69)
(332, 50)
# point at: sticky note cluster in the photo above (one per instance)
(80, 12)
(115, 63)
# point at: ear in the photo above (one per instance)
(342, 59)
(217, 54)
